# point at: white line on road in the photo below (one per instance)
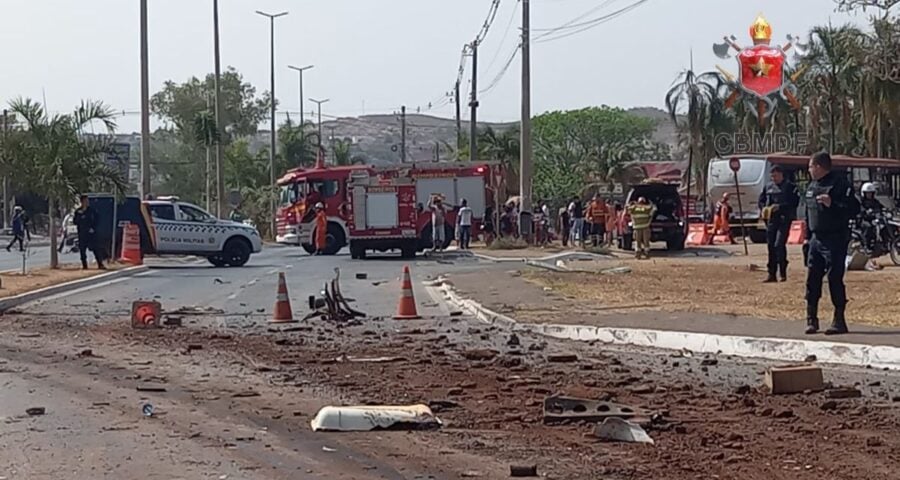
(252, 282)
(273, 271)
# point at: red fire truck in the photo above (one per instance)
(301, 189)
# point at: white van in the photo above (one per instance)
(751, 180)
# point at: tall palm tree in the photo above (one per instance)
(59, 159)
(342, 152)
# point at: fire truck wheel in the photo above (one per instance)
(357, 252)
(335, 239)
(408, 250)
(308, 248)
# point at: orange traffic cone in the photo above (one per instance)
(283, 312)
(131, 245)
(406, 310)
(145, 314)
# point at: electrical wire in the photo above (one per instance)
(488, 22)
(591, 24)
(509, 25)
(502, 73)
(584, 15)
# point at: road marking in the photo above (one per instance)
(233, 296)
(273, 271)
(252, 282)
(288, 266)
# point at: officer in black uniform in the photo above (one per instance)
(85, 220)
(830, 204)
(778, 202)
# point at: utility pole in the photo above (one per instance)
(458, 119)
(145, 105)
(220, 168)
(273, 144)
(403, 134)
(319, 104)
(5, 212)
(525, 160)
(300, 71)
(209, 163)
(473, 135)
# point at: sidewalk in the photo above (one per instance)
(508, 293)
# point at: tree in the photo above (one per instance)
(341, 152)
(298, 145)
(59, 160)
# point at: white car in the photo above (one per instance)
(185, 229)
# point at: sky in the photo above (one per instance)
(372, 56)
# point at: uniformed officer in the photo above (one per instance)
(778, 202)
(85, 220)
(830, 204)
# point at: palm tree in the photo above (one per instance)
(206, 133)
(504, 148)
(341, 152)
(298, 145)
(59, 160)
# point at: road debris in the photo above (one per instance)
(36, 411)
(172, 321)
(617, 430)
(523, 471)
(794, 379)
(245, 394)
(147, 410)
(150, 388)
(843, 393)
(561, 409)
(482, 354)
(562, 358)
(362, 276)
(196, 310)
(513, 340)
(332, 306)
(87, 352)
(374, 417)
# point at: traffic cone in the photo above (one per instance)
(406, 310)
(145, 314)
(131, 245)
(283, 312)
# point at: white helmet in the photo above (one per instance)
(869, 187)
(320, 206)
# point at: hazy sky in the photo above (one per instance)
(376, 54)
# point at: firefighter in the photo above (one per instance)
(778, 203)
(642, 214)
(721, 225)
(321, 229)
(830, 204)
(597, 213)
(85, 220)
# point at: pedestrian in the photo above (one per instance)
(438, 215)
(67, 220)
(487, 226)
(722, 219)
(19, 228)
(611, 218)
(830, 204)
(576, 210)
(564, 225)
(464, 223)
(321, 229)
(598, 214)
(641, 214)
(85, 220)
(778, 203)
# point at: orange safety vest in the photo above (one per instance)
(321, 230)
(598, 212)
(721, 224)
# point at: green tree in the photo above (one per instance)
(298, 145)
(341, 152)
(58, 159)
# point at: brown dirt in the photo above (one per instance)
(14, 283)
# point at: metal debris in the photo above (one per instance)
(561, 409)
(374, 417)
(36, 411)
(523, 471)
(618, 430)
(333, 306)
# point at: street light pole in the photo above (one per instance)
(300, 71)
(220, 169)
(525, 160)
(273, 144)
(145, 105)
(319, 103)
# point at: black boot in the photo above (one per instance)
(839, 325)
(812, 319)
(782, 269)
(771, 278)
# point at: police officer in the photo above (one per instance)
(830, 204)
(85, 220)
(869, 202)
(778, 202)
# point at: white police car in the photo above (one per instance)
(184, 229)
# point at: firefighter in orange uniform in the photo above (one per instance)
(721, 221)
(321, 229)
(597, 213)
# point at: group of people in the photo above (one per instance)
(597, 220)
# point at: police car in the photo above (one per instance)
(185, 229)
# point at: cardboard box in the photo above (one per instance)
(794, 379)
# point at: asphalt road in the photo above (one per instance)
(35, 257)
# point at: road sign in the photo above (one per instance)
(119, 158)
(734, 164)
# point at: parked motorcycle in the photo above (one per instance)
(876, 234)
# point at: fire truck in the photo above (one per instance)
(301, 189)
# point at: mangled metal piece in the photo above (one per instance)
(618, 430)
(333, 306)
(374, 417)
(561, 409)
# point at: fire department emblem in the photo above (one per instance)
(763, 74)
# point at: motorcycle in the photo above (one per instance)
(876, 234)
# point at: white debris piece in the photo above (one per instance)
(372, 417)
(617, 430)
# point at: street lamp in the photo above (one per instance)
(220, 168)
(300, 71)
(319, 103)
(145, 105)
(273, 143)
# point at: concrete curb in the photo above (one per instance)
(28, 297)
(573, 255)
(779, 349)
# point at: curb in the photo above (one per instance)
(549, 258)
(779, 349)
(28, 297)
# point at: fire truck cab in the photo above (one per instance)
(301, 189)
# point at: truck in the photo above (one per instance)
(302, 188)
(383, 215)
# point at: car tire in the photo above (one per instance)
(236, 252)
(675, 244)
(217, 261)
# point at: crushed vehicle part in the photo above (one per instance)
(374, 417)
(333, 306)
(618, 430)
(560, 409)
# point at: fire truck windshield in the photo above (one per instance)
(291, 194)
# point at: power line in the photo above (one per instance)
(496, 80)
(512, 19)
(488, 22)
(592, 23)
(584, 15)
